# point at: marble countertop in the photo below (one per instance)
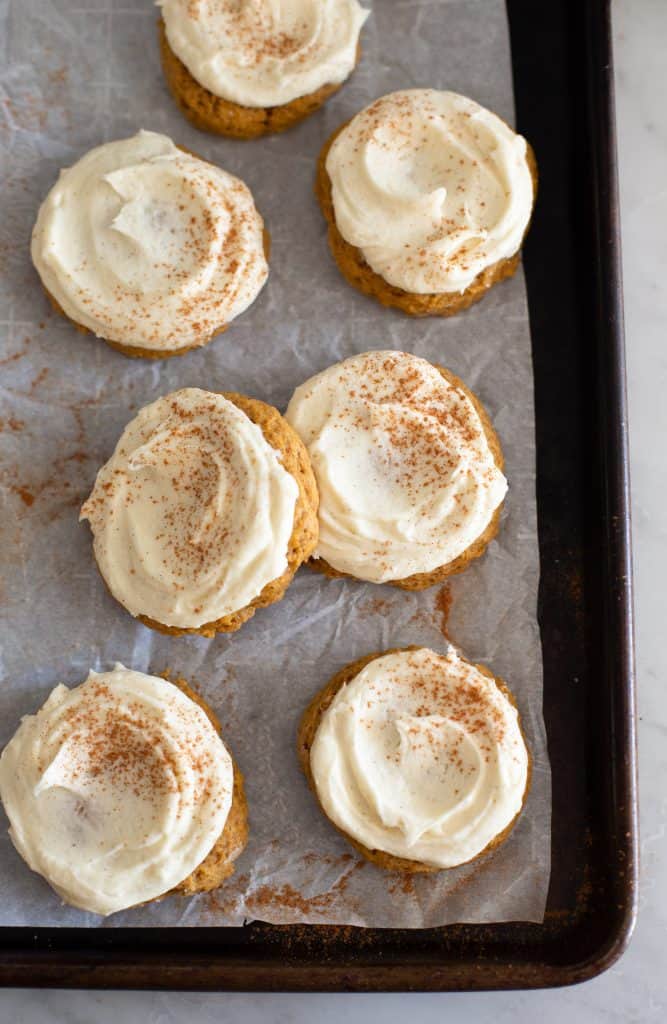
(636, 988)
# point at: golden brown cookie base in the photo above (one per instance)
(423, 580)
(309, 725)
(357, 272)
(219, 862)
(303, 540)
(211, 113)
(134, 351)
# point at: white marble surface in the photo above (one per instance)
(636, 988)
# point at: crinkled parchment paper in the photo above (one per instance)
(80, 72)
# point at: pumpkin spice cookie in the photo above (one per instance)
(204, 512)
(428, 197)
(121, 790)
(149, 247)
(408, 466)
(254, 68)
(417, 758)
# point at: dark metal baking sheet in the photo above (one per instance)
(564, 97)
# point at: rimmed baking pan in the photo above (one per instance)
(564, 98)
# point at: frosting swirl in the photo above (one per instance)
(431, 187)
(421, 756)
(193, 513)
(116, 790)
(264, 53)
(148, 246)
(406, 477)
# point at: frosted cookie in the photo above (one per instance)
(428, 197)
(149, 247)
(417, 758)
(121, 790)
(203, 513)
(255, 67)
(408, 466)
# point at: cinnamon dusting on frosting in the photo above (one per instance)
(401, 452)
(261, 54)
(431, 187)
(420, 756)
(148, 246)
(117, 789)
(192, 515)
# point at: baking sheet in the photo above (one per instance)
(79, 72)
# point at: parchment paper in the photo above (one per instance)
(79, 72)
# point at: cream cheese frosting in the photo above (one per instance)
(193, 513)
(406, 477)
(431, 187)
(421, 756)
(116, 790)
(264, 53)
(148, 246)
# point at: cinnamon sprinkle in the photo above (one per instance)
(443, 606)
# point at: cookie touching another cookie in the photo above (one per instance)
(204, 512)
(408, 466)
